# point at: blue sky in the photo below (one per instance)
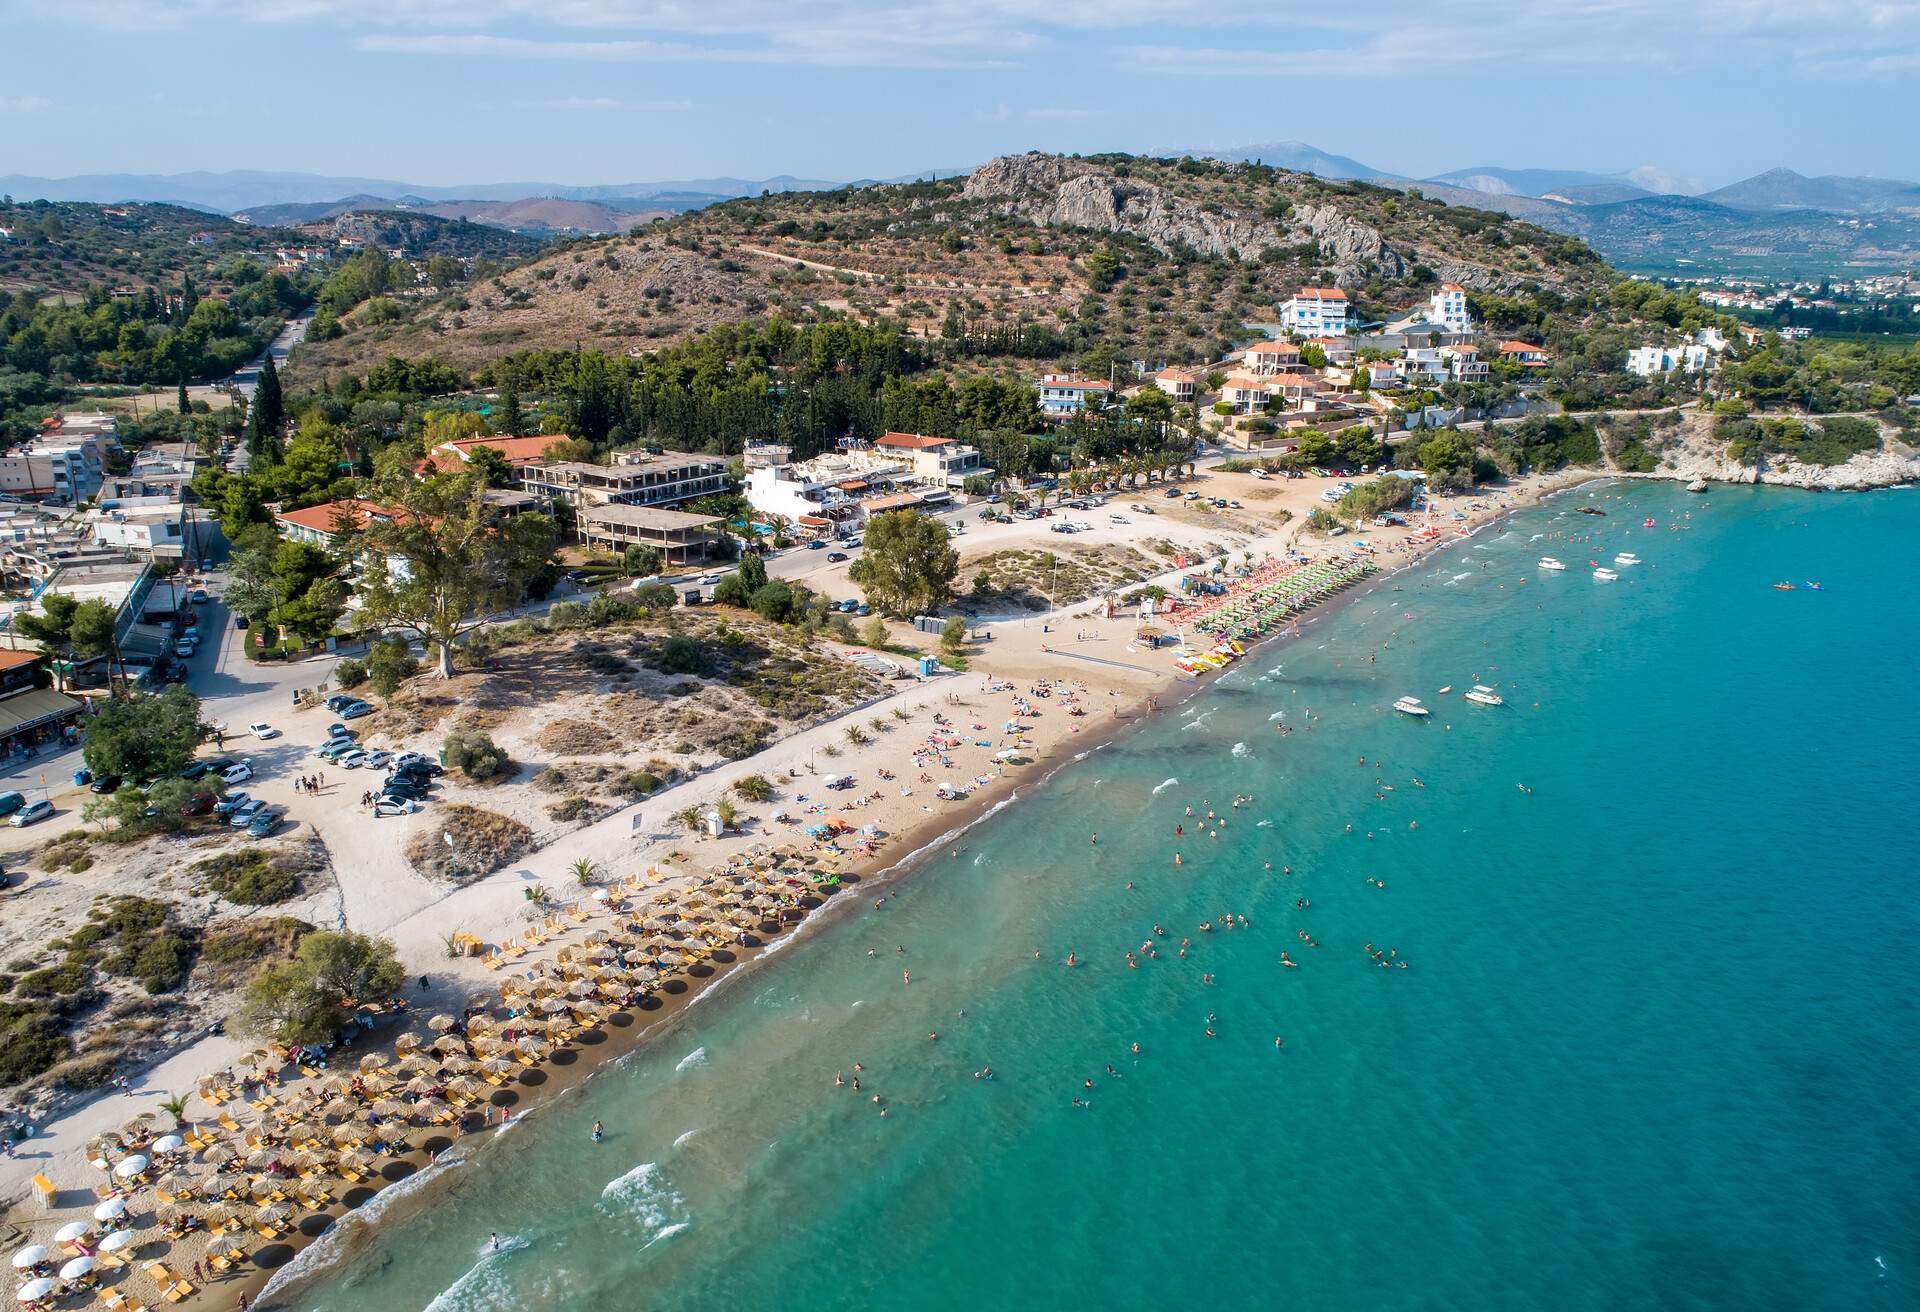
(582, 91)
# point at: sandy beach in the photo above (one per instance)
(1069, 679)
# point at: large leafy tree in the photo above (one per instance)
(145, 737)
(447, 559)
(71, 630)
(306, 1000)
(908, 566)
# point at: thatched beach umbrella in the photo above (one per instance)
(223, 1246)
(372, 1061)
(442, 1023)
(273, 1213)
(497, 1066)
(459, 1063)
(406, 1043)
(480, 1024)
(376, 1082)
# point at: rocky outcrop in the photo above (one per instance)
(1697, 454)
(1064, 193)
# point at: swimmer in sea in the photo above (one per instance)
(599, 1132)
(1073, 959)
(1136, 1048)
(493, 1243)
(839, 1081)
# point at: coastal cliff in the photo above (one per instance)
(1696, 454)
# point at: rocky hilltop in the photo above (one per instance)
(1054, 191)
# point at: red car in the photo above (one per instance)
(198, 804)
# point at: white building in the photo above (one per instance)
(825, 492)
(1647, 361)
(1179, 384)
(1063, 394)
(935, 461)
(1316, 312)
(1448, 308)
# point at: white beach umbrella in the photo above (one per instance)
(71, 1231)
(34, 1289)
(169, 1143)
(128, 1167)
(31, 1255)
(118, 1240)
(110, 1210)
(73, 1270)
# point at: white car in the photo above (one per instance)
(395, 806)
(262, 730)
(237, 774)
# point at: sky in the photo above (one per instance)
(443, 92)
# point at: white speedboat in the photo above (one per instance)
(1484, 695)
(1411, 706)
(1548, 562)
(1626, 558)
(1605, 575)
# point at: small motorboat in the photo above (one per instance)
(1817, 587)
(1647, 522)
(1783, 587)
(1605, 575)
(1589, 510)
(1411, 706)
(1549, 563)
(1444, 691)
(1626, 558)
(1484, 695)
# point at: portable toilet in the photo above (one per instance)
(929, 666)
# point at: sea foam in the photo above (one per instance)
(1162, 787)
(647, 1198)
(698, 1057)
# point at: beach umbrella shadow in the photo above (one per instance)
(622, 1019)
(533, 1079)
(437, 1144)
(355, 1197)
(561, 1057)
(396, 1171)
(590, 1037)
(273, 1255)
(316, 1225)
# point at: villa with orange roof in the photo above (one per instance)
(1526, 353)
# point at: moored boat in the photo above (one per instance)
(1626, 558)
(1549, 563)
(1484, 695)
(1411, 706)
(1605, 575)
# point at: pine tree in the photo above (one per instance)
(267, 418)
(511, 421)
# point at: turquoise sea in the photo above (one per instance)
(1655, 1045)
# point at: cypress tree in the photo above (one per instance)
(185, 409)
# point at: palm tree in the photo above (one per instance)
(585, 870)
(175, 1105)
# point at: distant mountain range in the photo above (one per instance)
(1635, 217)
(226, 193)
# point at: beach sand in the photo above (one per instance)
(1115, 680)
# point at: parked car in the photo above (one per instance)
(377, 759)
(1171, 494)
(105, 783)
(262, 730)
(863, 609)
(339, 699)
(243, 815)
(395, 806)
(420, 765)
(835, 557)
(11, 802)
(185, 648)
(237, 774)
(263, 824)
(336, 748)
(240, 621)
(341, 731)
(352, 760)
(230, 803)
(405, 792)
(354, 710)
(199, 596)
(30, 813)
(198, 804)
(407, 758)
(415, 781)
(218, 763)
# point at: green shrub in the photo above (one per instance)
(476, 756)
(389, 664)
(754, 787)
(640, 782)
(350, 673)
(68, 979)
(162, 963)
(570, 808)
(681, 655)
(31, 1042)
(248, 878)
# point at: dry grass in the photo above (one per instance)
(487, 841)
(1027, 578)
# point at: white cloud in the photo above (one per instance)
(24, 104)
(607, 104)
(1832, 38)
